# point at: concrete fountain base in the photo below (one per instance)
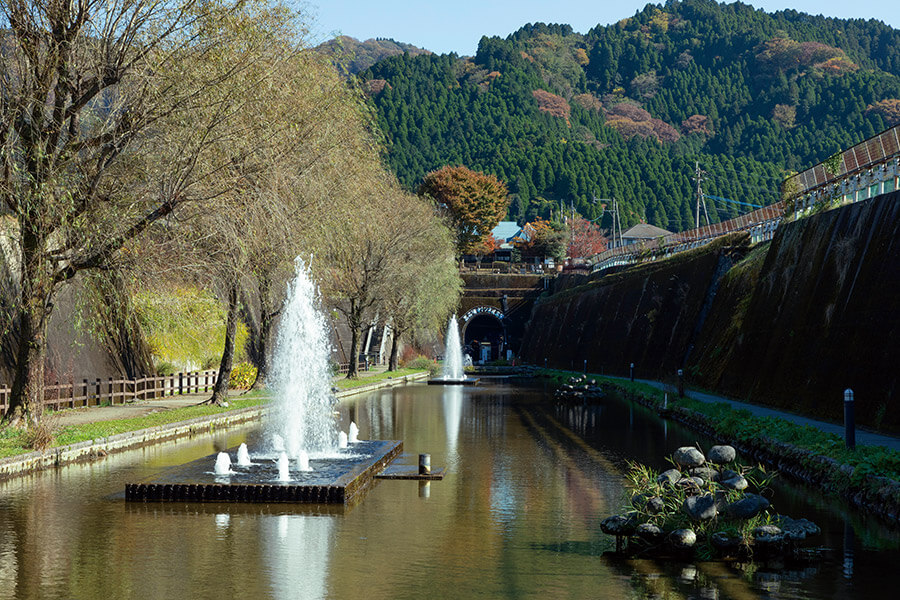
(333, 481)
(466, 381)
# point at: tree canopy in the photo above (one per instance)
(473, 201)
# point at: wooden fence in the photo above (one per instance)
(98, 392)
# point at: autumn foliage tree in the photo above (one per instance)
(474, 202)
(585, 238)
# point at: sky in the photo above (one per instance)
(444, 26)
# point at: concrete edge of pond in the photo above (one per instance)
(90, 450)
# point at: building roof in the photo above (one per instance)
(645, 231)
(505, 231)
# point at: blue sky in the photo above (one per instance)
(457, 25)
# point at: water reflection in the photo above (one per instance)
(517, 515)
(452, 402)
(298, 554)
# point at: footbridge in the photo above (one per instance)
(493, 311)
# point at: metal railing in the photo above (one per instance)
(761, 224)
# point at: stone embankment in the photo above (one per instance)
(789, 324)
(98, 448)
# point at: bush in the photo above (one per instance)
(424, 363)
(242, 376)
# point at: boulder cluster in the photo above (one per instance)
(579, 388)
(705, 501)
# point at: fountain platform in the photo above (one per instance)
(337, 480)
(467, 381)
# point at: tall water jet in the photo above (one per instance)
(453, 356)
(223, 464)
(301, 373)
(243, 456)
(342, 440)
(353, 435)
(284, 473)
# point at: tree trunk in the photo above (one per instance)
(395, 351)
(220, 392)
(27, 396)
(266, 321)
(353, 369)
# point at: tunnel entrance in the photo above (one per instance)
(484, 338)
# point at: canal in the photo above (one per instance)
(517, 516)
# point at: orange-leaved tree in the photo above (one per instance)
(473, 201)
(586, 238)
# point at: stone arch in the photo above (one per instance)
(488, 327)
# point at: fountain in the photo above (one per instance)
(303, 462)
(223, 464)
(453, 373)
(284, 473)
(301, 374)
(243, 456)
(300, 428)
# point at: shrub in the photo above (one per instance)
(242, 376)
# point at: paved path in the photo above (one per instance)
(93, 414)
(863, 437)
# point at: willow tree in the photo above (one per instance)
(87, 162)
(426, 283)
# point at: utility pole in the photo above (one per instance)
(698, 177)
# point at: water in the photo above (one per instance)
(517, 516)
(453, 355)
(302, 417)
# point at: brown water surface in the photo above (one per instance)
(517, 516)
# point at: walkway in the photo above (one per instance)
(863, 437)
(93, 414)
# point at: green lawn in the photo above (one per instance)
(14, 441)
(348, 384)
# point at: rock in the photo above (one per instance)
(706, 473)
(798, 530)
(700, 508)
(655, 505)
(652, 505)
(735, 483)
(649, 532)
(692, 485)
(721, 455)
(669, 477)
(683, 538)
(727, 474)
(688, 456)
(618, 525)
(725, 542)
(767, 535)
(747, 507)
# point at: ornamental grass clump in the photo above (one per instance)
(705, 506)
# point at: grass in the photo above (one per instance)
(349, 384)
(13, 441)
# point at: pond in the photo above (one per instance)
(517, 515)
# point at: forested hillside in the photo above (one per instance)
(625, 110)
